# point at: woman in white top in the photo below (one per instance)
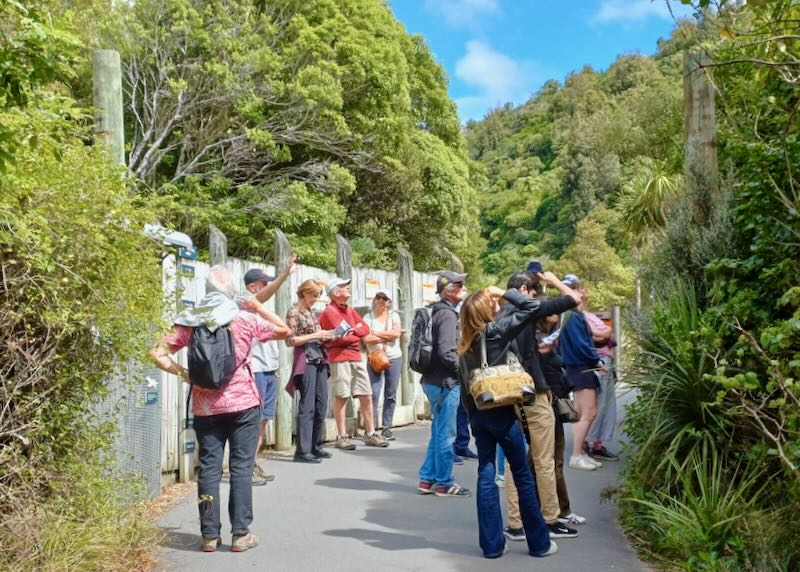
(385, 330)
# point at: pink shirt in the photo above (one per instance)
(600, 326)
(240, 393)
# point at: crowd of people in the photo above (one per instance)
(564, 349)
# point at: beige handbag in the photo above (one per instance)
(500, 385)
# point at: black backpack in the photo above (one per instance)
(420, 347)
(212, 359)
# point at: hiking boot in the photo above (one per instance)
(453, 490)
(603, 454)
(256, 480)
(514, 533)
(375, 440)
(262, 474)
(572, 519)
(321, 454)
(425, 488)
(211, 543)
(242, 542)
(549, 552)
(558, 530)
(344, 443)
(388, 435)
(581, 463)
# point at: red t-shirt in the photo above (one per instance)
(346, 348)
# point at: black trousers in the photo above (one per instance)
(313, 387)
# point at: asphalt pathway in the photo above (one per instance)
(359, 511)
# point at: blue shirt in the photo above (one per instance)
(577, 347)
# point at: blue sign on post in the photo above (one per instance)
(189, 448)
(151, 398)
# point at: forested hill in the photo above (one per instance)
(569, 170)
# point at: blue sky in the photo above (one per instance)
(496, 51)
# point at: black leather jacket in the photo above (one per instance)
(499, 335)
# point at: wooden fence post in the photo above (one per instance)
(107, 96)
(344, 269)
(700, 147)
(455, 262)
(405, 266)
(284, 413)
(217, 246)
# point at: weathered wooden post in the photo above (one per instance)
(405, 266)
(284, 413)
(217, 246)
(700, 147)
(455, 262)
(344, 269)
(107, 95)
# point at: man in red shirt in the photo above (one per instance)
(348, 372)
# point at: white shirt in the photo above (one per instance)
(392, 348)
(266, 356)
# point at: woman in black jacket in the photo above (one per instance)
(491, 427)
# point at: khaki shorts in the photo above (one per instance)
(350, 378)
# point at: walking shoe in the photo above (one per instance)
(306, 458)
(425, 488)
(262, 473)
(558, 530)
(344, 443)
(256, 480)
(321, 454)
(467, 454)
(211, 543)
(499, 554)
(500, 481)
(581, 463)
(457, 460)
(388, 435)
(453, 490)
(603, 454)
(375, 440)
(242, 542)
(549, 552)
(514, 533)
(572, 518)
(595, 462)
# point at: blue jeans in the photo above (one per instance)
(490, 428)
(240, 430)
(392, 377)
(438, 465)
(462, 430)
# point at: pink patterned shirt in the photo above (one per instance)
(240, 393)
(598, 324)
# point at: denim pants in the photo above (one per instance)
(438, 465)
(313, 406)
(490, 428)
(240, 430)
(462, 430)
(392, 378)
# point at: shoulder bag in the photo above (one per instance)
(500, 385)
(377, 358)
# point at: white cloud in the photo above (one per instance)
(630, 11)
(495, 78)
(463, 12)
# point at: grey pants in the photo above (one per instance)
(605, 423)
(392, 377)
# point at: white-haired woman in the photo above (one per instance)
(385, 331)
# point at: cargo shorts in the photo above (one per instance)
(350, 378)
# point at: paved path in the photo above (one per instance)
(359, 511)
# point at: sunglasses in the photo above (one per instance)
(381, 297)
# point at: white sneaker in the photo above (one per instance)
(550, 551)
(572, 518)
(580, 463)
(595, 462)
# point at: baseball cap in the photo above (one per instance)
(334, 284)
(448, 277)
(256, 274)
(534, 266)
(571, 280)
(385, 292)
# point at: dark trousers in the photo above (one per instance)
(392, 377)
(494, 427)
(313, 387)
(240, 430)
(462, 430)
(561, 483)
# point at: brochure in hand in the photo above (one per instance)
(342, 329)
